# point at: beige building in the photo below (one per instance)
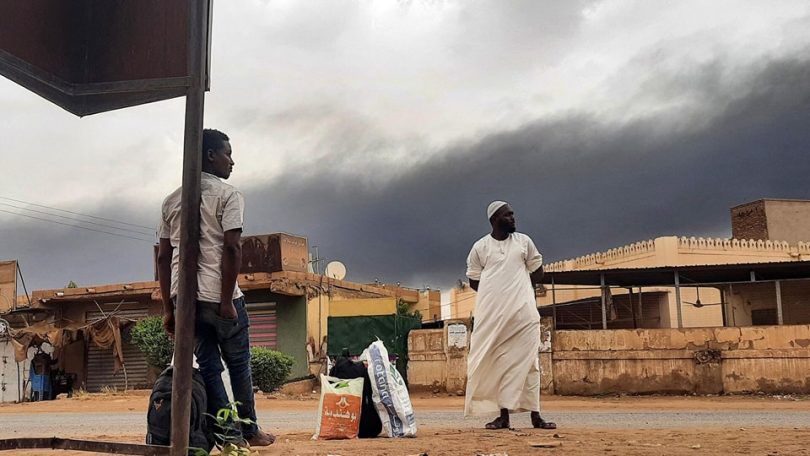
(753, 301)
(657, 310)
(338, 298)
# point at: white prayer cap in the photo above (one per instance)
(493, 208)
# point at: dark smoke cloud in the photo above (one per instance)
(578, 183)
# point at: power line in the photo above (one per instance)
(459, 300)
(76, 220)
(77, 226)
(77, 213)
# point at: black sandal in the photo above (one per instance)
(497, 423)
(540, 424)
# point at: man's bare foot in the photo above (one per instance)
(498, 423)
(538, 422)
(261, 439)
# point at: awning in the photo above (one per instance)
(104, 333)
(713, 274)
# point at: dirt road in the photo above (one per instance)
(626, 425)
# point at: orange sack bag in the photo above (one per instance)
(339, 409)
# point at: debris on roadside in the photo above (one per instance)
(549, 444)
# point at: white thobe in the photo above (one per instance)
(503, 369)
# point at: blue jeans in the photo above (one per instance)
(218, 338)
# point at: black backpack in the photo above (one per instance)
(370, 423)
(159, 416)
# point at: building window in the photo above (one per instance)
(763, 317)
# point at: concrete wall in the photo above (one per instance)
(437, 358)
(11, 374)
(788, 220)
(770, 359)
(14, 384)
(437, 361)
(427, 360)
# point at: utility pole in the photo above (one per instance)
(190, 227)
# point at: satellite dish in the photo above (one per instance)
(336, 270)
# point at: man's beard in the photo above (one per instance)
(507, 227)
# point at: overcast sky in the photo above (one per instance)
(382, 129)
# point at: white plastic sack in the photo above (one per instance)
(389, 392)
(339, 408)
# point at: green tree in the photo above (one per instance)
(151, 339)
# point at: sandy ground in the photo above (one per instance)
(459, 437)
(137, 400)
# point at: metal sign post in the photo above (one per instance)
(93, 57)
(190, 229)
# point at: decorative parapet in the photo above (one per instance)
(684, 244)
(557, 266)
(600, 258)
(693, 243)
(800, 250)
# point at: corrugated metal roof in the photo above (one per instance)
(689, 275)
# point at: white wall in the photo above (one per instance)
(10, 387)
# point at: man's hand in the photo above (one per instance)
(227, 310)
(537, 277)
(168, 323)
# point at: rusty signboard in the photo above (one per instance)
(274, 252)
(8, 285)
(267, 253)
(91, 56)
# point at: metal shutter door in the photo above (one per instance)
(101, 362)
(262, 324)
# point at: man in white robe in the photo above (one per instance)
(503, 369)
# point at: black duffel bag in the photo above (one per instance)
(370, 424)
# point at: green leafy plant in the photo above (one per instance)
(151, 339)
(404, 310)
(270, 368)
(229, 423)
(229, 438)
